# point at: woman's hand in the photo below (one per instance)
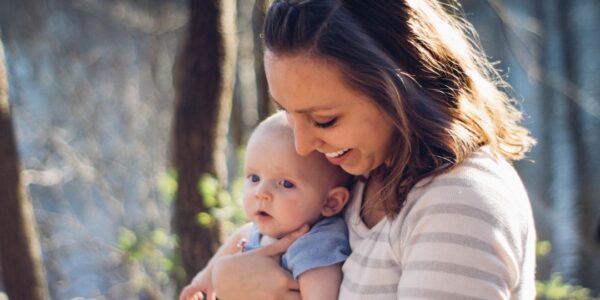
(257, 274)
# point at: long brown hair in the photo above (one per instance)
(422, 65)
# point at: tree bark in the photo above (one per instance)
(20, 254)
(203, 87)
(264, 103)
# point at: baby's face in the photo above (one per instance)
(282, 190)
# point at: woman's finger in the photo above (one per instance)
(284, 243)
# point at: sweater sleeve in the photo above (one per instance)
(463, 238)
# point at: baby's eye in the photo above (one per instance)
(286, 184)
(254, 178)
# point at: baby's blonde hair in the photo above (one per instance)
(276, 124)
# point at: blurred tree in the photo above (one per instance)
(244, 110)
(20, 254)
(567, 113)
(204, 86)
(265, 105)
(549, 49)
(598, 232)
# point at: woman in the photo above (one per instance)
(398, 93)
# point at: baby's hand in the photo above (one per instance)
(201, 283)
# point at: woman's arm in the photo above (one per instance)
(321, 283)
(256, 274)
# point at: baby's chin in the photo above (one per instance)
(276, 234)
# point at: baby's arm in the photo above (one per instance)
(202, 282)
(321, 283)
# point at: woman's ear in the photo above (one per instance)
(336, 200)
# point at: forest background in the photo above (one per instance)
(120, 151)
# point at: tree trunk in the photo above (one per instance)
(574, 33)
(264, 103)
(20, 254)
(203, 86)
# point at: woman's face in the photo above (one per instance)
(327, 115)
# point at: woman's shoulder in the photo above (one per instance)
(481, 185)
(481, 171)
(480, 200)
(478, 213)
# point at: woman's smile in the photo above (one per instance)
(336, 153)
(338, 158)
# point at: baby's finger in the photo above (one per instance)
(284, 243)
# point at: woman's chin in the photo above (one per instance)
(354, 169)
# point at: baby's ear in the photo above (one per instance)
(336, 200)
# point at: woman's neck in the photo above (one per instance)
(372, 210)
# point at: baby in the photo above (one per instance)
(282, 192)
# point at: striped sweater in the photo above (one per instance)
(468, 234)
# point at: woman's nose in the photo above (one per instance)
(304, 139)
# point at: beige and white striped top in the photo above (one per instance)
(469, 234)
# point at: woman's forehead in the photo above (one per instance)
(303, 85)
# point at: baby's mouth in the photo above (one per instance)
(262, 213)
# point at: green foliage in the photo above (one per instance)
(167, 186)
(204, 219)
(152, 250)
(209, 188)
(149, 250)
(543, 248)
(554, 288)
(224, 205)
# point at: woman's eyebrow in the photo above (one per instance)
(306, 110)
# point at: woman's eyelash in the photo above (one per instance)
(326, 124)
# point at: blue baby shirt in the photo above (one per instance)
(325, 244)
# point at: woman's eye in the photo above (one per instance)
(254, 178)
(325, 124)
(286, 184)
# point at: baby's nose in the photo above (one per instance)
(263, 192)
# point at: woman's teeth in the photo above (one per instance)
(337, 153)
